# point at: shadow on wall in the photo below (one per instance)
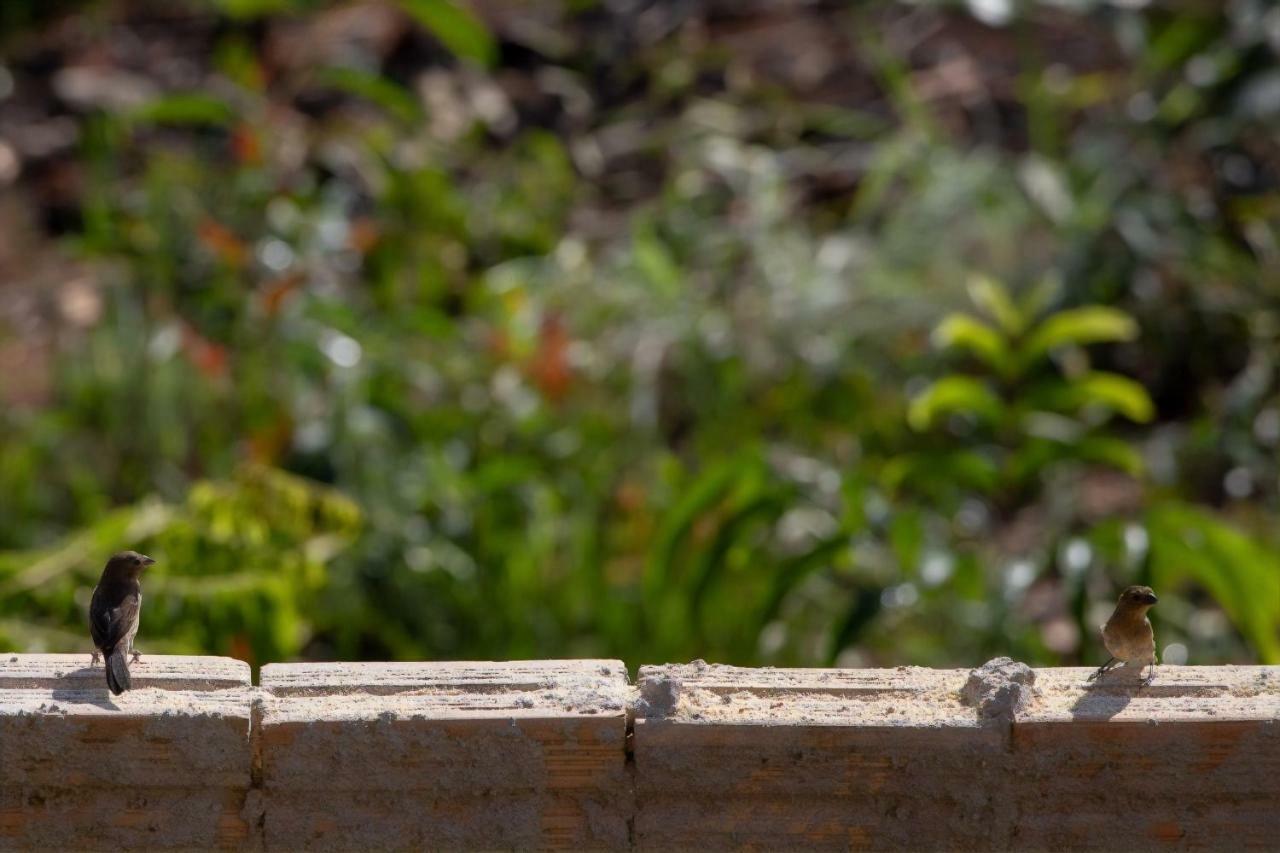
(1110, 694)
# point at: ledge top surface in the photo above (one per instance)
(459, 690)
(1177, 694)
(164, 672)
(701, 693)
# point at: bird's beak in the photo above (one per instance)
(147, 561)
(1151, 598)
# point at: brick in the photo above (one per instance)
(165, 765)
(810, 758)
(534, 754)
(1190, 761)
(458, 755)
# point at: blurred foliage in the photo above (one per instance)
(575, 329)
(1042, 418)
(244, 560)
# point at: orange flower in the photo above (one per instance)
(550, 369)
(222, 243)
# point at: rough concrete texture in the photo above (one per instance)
(164, 672)
(1191, 761)
(997, 758)
(455, 755)
(534, 754)
(165, 765)
(1000, 688)
(804, 759)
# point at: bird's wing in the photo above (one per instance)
(114, 624)
(98, 620)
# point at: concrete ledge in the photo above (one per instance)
(561, 754)
(807, 759)
(1002, 757)
(1183, 762)
(474, 755)
(165, 765)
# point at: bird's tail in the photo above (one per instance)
(117, 671)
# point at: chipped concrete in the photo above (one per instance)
(541, 754)
(1001, 757)
(1000, 688)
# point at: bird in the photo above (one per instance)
(1128, 635)
(114, 612)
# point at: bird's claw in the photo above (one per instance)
(134, 656)
(1101, 671)
(95, 657)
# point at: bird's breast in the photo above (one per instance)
(1130, 640)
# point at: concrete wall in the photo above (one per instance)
(568, 754)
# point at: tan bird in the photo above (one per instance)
(1128, 635)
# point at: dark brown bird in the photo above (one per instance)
(113, 615)
(1128, 635)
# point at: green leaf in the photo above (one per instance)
(389, 95)
(932, 474)
(1113, 391)
(951, 395)
(189, 108)
(762, 508)
(907, 537)
(1079, 326)
(991, 296)
(791, 572)
(249, 9)
(1041, 295)
(1071, 397)
(971, 469)
(456, 27)
(1114, 452)
(963, 331)
(707, 490)
(1241, 572)
(654, 259)
(864, 607)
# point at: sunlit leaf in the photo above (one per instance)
(1112, 391)
(1241, 572)
(992, 297)
(952, 395)
(1077, 327)
(456, 27)
(963, 331)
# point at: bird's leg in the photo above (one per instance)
(1106, 667)
(1146, 682)
(134, 655)
(97, 656)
